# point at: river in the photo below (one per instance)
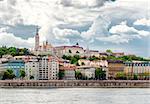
(75, 96)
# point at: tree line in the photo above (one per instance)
(13, 51)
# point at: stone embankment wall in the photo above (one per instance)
(75, 84)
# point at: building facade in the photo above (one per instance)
(48, 68)
(139, 68)
(87, 71)
(115, 67)
(32, 68)
(15, 65)
(69, 50)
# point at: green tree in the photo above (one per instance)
(109, 51)
(8, 74)
(61, 74)
(12, 51)
(100, 74)
(135, 77)
(121, 76)
(78, 74)
(31, 77)
(22, 73)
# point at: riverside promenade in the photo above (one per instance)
(74, 84)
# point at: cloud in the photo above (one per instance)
(123, 28)
(143, 21)
(67, 35)
(64, 21)
(9, 39)
(82, 3)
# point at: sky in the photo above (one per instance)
(120, 25)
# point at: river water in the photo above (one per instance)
(75, 96)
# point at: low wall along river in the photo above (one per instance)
(75, 84)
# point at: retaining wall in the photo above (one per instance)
(75, 84)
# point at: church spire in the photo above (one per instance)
(37, 30)
(37, 39)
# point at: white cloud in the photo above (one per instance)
(104, 17)
(143, 21)
(123, 28)
(9, 39)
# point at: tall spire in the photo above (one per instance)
(37, 39)
(37, 30)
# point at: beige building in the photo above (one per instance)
(69, 50)
(114, 67)
(138, 68)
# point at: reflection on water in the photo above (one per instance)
(75, 96)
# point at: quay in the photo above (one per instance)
(74, 84)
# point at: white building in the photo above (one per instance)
(87, 71)
(48, 68)
(32, 68)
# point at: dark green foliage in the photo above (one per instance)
(100, 74)
(73, 59)
(127, 58)
(135, 77)
(8, 74)
(78, 74)
(109, 51)
(93, 58)
(61, 74)
(121, 76)
(31, 77)
(22, 73)
(13, 51)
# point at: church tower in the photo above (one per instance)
(37, 40)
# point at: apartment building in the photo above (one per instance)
(48, 68)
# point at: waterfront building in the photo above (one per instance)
(32, 68)
(115, 67)
(139, 68)
(48, 68)
(15, 65)
(69, 70)
(87, 71)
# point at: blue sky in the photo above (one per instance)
(123, 25)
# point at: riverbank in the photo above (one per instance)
(74, 84)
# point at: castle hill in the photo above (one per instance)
(71, 66)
